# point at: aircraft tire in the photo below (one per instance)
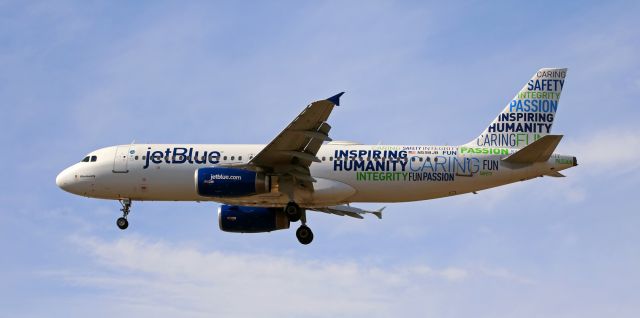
(304, 235)
(122, 223)
(293, 212)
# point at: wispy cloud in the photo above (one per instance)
(141, 273)
(605, 151)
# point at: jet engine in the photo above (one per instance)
(245, 219)
(230, 182)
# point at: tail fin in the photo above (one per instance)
(530, 114)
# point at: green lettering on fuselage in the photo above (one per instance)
(484, 151)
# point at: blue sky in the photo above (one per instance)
(77, 76)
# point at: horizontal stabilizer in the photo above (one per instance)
(538, 151)
(555, 174)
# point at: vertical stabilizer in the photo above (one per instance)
(529, 115)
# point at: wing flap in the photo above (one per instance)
(315, 135)
(347, 210)
(301, 155)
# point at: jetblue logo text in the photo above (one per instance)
(179, 155)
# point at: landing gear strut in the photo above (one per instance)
(122, 222)
(304, 233)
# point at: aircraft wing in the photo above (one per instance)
(295, 148)
(347, 210)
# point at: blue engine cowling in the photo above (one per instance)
(230, 182)
(247, 219)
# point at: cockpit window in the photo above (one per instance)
(94, 158)
(86, 159)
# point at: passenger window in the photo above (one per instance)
(144, 157)
(420, 159)
(413, 158)
(136, 157)
(240, 158)
(86, 159)
(330, 158)
(233, 158)
(94, 158)
(224, 158)
(324, 158)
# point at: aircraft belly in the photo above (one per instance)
(422, 188)
(326, 193)
(331, 191)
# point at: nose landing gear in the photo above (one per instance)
(122, 222)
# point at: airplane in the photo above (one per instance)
(263, 188)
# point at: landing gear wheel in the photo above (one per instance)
(304, 234)
(293, 212)
(122, 223)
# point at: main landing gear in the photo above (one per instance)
(304, 234)
(122, 222)
(295, 214)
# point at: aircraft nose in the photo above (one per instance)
(63, 180)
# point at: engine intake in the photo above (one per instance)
(230, 182)
(246, 219)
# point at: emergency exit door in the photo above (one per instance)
(120, 162)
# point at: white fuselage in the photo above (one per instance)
(347, 173)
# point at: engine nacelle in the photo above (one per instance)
(246, 219)
(230, 182)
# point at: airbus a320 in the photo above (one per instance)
(263, 188)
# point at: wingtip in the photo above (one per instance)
(335, 99)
